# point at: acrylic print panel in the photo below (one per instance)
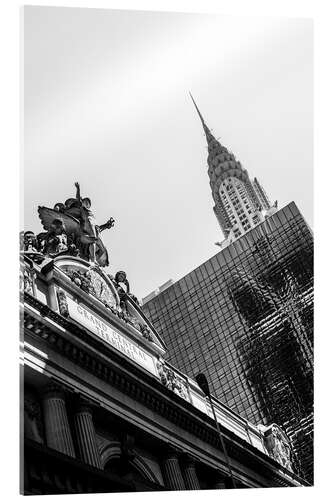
(166, 234)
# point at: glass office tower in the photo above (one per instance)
(245, 318)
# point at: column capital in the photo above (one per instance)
(188, 463)
(57, 428)
(171, 452)
(171, 469)
(188, 460)
(82, 404)
(53, 389)
(85, 432)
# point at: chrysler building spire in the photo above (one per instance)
(206, 129)
(240, 204)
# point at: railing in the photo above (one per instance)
(188, 389)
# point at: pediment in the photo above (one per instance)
(95, 282)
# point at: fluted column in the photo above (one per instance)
(220, 481)
(57, 430)
(172, 472)
(189, 473)
(86, 434)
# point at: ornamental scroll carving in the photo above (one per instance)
(90, 281)
(27, 278)
(63, 305)
(171, 380)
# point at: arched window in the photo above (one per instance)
(132, 469)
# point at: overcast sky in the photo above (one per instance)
(106, 103)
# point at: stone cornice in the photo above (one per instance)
(146, 389)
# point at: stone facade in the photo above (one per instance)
(105, 412)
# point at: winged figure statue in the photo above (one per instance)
(74, 222)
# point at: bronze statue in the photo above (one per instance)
(120, 278)
(123, 288)
(79, 227)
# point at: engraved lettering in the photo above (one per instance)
(109, 335)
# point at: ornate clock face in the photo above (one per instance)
(92, 282)
(102, 289)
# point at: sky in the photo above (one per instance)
(106, 103)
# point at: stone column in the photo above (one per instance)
(172, 472)
(189, 473)
(86, 435)
(220, 481)
(57, 430)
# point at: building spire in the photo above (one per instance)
(239, 202)
(208, 133)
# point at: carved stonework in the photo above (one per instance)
(29, 246)
(277, 445)
(82, 279)
(146, 333)
(32, 420)
(27, 277)
(90, 281)
(171, 380)
(63, 306)
(129, 317)
(132, 320)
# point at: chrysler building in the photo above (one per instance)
(240, 204)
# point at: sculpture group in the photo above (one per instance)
(70, 228)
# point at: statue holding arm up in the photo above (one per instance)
(90, 228)
(80, 224)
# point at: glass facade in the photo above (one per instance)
(245, 319)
